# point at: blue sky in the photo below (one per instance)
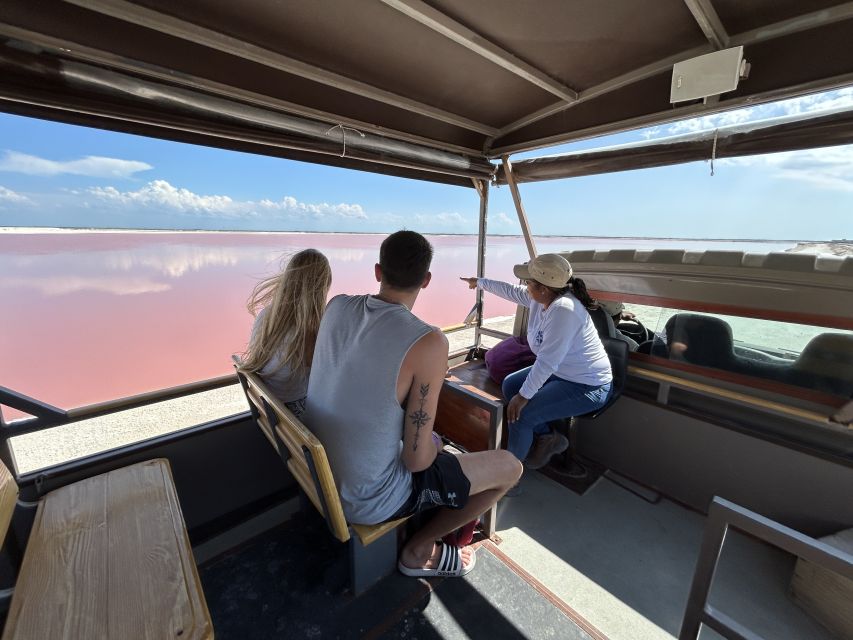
(55, 175)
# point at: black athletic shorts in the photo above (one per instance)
(442, 484)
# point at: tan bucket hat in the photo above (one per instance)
(550, 269)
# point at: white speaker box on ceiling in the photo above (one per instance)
(708, 75)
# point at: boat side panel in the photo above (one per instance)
(692, 460)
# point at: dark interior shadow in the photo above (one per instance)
(291, 582)
(491, 602)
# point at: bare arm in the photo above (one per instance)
(512, 292)
(425, 366)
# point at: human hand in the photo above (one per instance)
(515, 407)
(472, 282)
(439, 445)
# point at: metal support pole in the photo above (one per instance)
(482, 189)
(519, 208)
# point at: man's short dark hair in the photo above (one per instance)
(404, 258)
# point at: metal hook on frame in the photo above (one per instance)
(714, 151)
(343, 129)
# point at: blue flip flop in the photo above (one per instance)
(449, 565)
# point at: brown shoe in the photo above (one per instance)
(544, 448)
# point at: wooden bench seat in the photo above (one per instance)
(373, 550)
(108, 557)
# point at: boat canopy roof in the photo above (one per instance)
(431, 89)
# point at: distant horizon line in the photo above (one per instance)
(24, 230)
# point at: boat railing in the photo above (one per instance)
(46, 415)
(723, 515)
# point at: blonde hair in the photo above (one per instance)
(294, 300)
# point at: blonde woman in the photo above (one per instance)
(291, 304)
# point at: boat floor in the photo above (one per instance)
(605, 564)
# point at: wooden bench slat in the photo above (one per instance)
(267, 430)
(299, 468)
(303, 477)
(109, 557)
(8, 499)
(295, 435)
(368, 533)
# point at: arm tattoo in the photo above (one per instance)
(420, 417)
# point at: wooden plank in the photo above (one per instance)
(266, 429)
(473, 377)
(297, 437)
(303, 477)
(255, 396)
(470, 407)
(290, 440)
(8, 499)
(459, 419)
(330, 491)
(109, 557)
(823, 594)
(371, 533)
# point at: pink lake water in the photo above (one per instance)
(89, 317)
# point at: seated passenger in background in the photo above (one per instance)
(571, 375)
(291, 304)
(372, 399)
(616, 310)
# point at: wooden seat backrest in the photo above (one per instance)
(306, 456)
(8, 499)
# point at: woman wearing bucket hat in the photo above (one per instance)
(571, 375)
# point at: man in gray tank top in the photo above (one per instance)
(372, 397)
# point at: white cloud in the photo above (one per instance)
(828, 168)
(290, 204)
(92, 166)
(503, 219)
(61, 285)
(448, 219)
(160, 194)
(7, 195)
(451, 218)
(824, 168)
(125, 271)
(171, 260)
(794, 106)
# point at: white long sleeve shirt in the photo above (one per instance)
(563, 338)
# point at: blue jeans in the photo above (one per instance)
(557, 398)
